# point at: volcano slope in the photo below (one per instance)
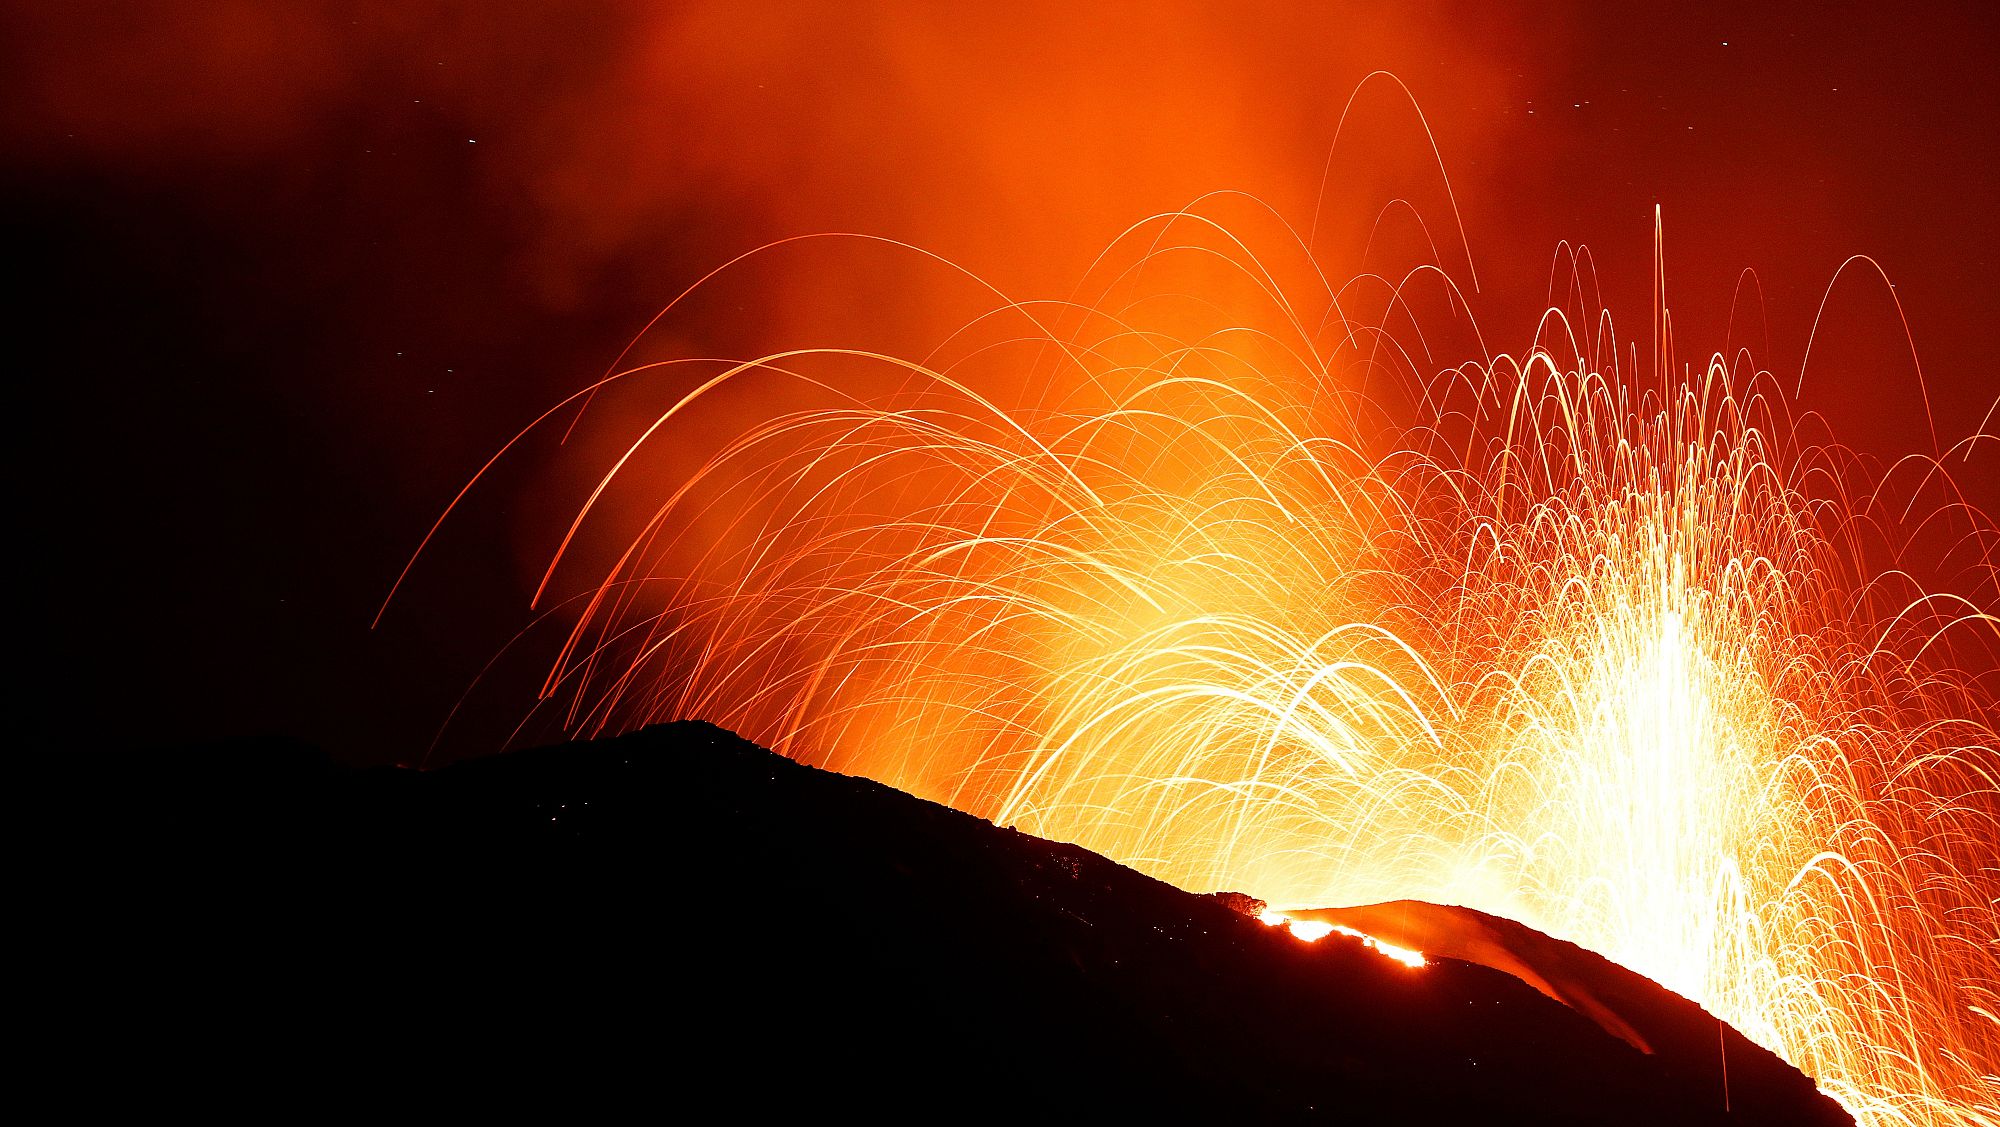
(679, 920)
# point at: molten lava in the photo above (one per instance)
(1312, 931)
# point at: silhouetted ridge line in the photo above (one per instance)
(680, 917)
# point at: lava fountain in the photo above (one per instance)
(1216, 568)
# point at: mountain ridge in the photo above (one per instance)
(681, 916)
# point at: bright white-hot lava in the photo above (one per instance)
(1312, 931)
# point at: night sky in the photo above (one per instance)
(286, 275)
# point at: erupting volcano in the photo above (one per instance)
(1256, 575)
(1503, 495)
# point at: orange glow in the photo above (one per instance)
(1402, 955)
(1256, 575)
(1312, 931)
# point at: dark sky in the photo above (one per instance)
(289, 273)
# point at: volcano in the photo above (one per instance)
(678, 919)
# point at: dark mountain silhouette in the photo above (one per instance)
(677, 920)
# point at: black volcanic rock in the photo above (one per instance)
(1696, 1049)
(678, 921)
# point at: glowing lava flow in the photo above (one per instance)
(1607, 652)
(1312, 931)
